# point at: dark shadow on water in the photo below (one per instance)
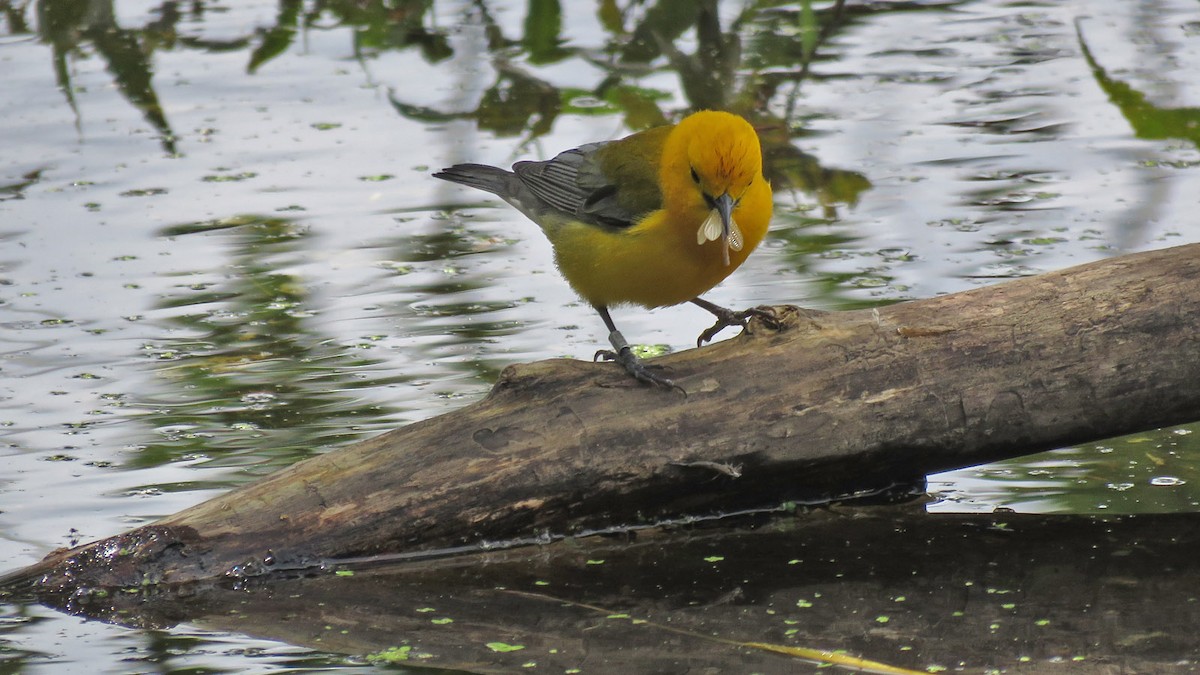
(893, 585)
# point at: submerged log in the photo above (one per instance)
(822, 404)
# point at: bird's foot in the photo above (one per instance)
(623, 355)
(728, 317)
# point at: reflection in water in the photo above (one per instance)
(67, 25)
(248, 360)
(893, 585)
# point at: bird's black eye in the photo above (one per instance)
(695, 176)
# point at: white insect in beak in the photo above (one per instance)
(720, 225)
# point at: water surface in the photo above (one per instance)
(221, 250)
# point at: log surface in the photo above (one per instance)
(828, 403)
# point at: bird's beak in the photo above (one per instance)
(724, 205)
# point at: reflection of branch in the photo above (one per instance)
(708, 76)
(1148, 120)
(17, 190)
(63, 22)
(807, 653)
(279, 37)
(810, 51)
(57, 23)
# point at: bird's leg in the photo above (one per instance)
(624, 355)
(728, 317)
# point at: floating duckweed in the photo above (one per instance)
(504, 647)
(390, 655)
(144, 192)
(229, 177)
(651, 351)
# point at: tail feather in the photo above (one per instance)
(481, 177)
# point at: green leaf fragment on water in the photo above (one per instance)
(442, 621)
(650, 351)
(596, 562)
(145, 192)
(229, 177)
(344, 573)
(390, 655)
(504, 647)
(714, 558)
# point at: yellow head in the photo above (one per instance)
(710, 160)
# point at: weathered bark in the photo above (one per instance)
(895, 585)
(827, 404)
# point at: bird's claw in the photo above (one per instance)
(728, 317)
(637, 368)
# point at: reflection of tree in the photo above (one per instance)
(250, 363)
(72, 28)
(1148, 120)
(711, 76)
(720, 72)
(67, 24)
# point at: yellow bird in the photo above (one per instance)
(652, 219)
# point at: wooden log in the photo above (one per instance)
(827, 403)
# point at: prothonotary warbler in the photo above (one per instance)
(652, 219)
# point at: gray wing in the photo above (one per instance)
(572, 183)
